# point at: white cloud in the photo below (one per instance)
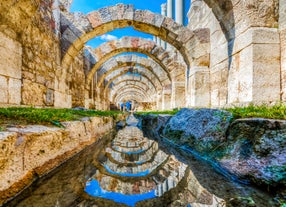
(108, 37)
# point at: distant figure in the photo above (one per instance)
(128, 106)
(121, 106)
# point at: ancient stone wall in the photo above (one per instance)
(28, 28)
(225, 57)
(34, 150)
(11, 69)
(242, 69)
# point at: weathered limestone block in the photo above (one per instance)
(122, 11)
(283, 63)
(14, 90)
(41, 144)
(282, 15)
(11, 159)
(38, 149)
(261, 13)
(241, 77)
(266, 62)
(254, 74)
(199, 86)
(33, 93)
(4, 89)
(10, 57)
(218, 84)
(256, 35)
(62, 100)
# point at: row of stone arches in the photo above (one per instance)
(220, 58)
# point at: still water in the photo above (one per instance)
(129, 169)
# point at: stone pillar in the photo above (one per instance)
(170, 15)
(282, 28)
(159, 100)
(198, 87)
(164, 13)
(166, 99)
(179, 11)
(178, 95)
(170, 8)
(254, 74)
(155, 39)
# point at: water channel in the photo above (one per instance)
(128, 169)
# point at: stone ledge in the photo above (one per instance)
(30, 151)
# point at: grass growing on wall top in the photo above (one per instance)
(170, 112)
(19, 115)
(277, 111)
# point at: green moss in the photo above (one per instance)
(278, 173)
(173, 134)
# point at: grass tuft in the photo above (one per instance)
(277, 111)
(170, 112)
(46, 116)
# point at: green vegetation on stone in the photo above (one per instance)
(277, 111)
(30, 115)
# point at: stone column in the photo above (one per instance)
(199, 87)
(166, 99)
(159, 100)
(155, 39)
(179, 11)
(170, 8)
(254, 74)
(164, 13)
(282, 28)
(178, 95)
(170, 15)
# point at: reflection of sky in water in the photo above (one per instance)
(140, 174)
(93, 188)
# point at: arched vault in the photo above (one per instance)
(128, 91)
(121, 78)
(119, 16)
(136, 72)
(131, 84)
(115, 63)
(130, 44)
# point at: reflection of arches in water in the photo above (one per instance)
(154, 178)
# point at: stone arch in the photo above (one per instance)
(127, 91)
(130, 44)
(133, 60)
(125, 87)
(129, 86)
(119, 85)
(223, 11)
(119, 16)
(120, 77)
(138, 71)
(132, 84)
(139, 97)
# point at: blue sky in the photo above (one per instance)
(87, 6)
